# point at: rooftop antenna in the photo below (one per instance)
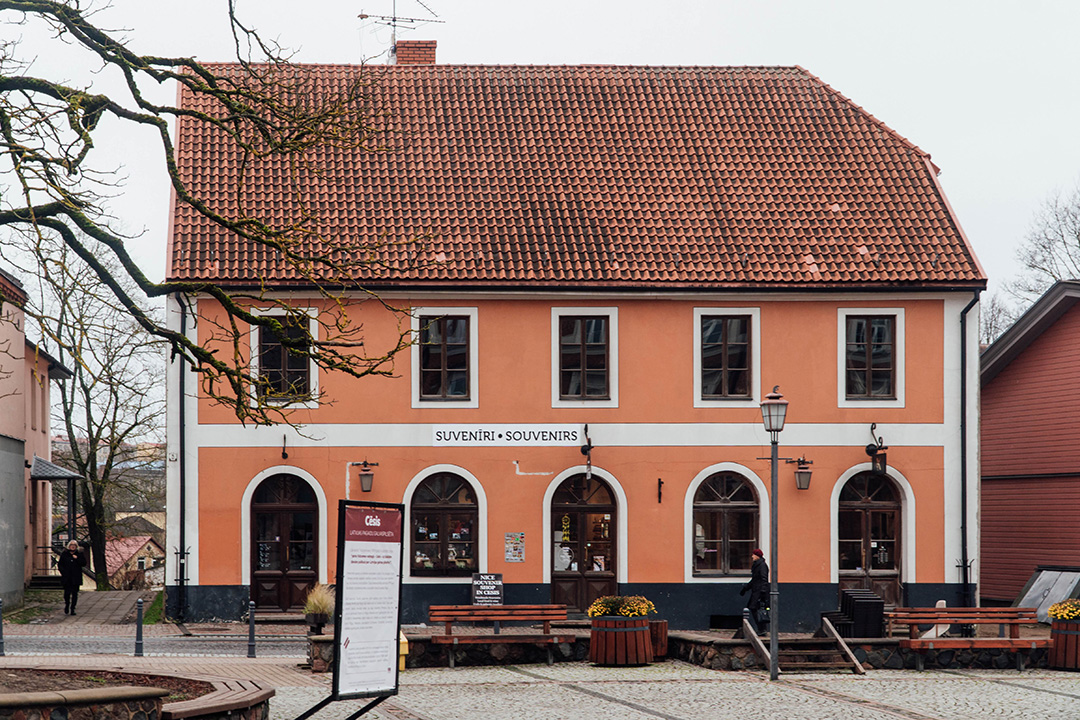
(394, 22)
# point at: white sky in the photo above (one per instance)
(987, 87)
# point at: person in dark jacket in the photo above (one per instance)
(71, 564)
(758, 587)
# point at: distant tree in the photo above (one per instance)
(1051, 249)
(995, 317)
(50, 188)
(113, 407)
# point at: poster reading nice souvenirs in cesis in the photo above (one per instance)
(368, 599)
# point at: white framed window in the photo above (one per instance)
(289, 381)
(698, 500)
(445, 357)
(584, 357)
(418, 544)
(727, 356)
(870, 352)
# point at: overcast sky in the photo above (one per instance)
(987, 87)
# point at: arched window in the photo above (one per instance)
(725, 525)
(444, 527)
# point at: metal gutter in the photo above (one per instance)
(969, 600)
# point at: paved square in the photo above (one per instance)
(678, 691)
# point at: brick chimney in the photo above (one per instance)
(415, 52)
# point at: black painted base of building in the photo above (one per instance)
(696, 606)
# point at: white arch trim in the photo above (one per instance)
(907, 520)
(481, 522)
(620, 519)
(764, 519)
(245, 517)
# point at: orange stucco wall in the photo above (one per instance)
(656, 352)
(656, 529)
(799, 353)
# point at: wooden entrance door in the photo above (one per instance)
(584, 544)
(284, 528)
(868, 529)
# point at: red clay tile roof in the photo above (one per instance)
(119, 550)
(602, 176)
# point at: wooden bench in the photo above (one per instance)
(1013, 618)
(229, 696)
(450, 614)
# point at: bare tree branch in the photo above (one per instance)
(263, 107)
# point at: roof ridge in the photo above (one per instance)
(437, 66)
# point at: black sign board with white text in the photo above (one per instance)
(487, 589)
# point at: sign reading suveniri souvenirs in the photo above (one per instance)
(507, 435)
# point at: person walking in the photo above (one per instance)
(71, 564)
(758, 587)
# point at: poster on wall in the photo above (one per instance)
(368, 611)
(515, 547)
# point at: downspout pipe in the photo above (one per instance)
(181, 576)
(965, 562)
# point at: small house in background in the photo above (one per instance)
(1030, 490)
(134, 563)
(25, 473)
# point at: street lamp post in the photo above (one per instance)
(773, 412)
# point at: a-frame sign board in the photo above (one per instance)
(367, 614)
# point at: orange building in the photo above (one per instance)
(623, 262)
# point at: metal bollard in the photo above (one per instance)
(1, 627)
(138, 628)
(251, 628)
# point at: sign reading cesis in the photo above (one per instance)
(508, 435)
(372, 525)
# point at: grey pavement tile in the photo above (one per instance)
(961, 696)
(527, 701)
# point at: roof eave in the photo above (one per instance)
(1054, 303)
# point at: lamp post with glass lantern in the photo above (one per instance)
(773, 412)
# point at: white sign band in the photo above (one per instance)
(507, 435)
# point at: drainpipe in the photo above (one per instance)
(181, 576)
(965, 567)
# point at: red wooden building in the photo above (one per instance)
(1030, 471)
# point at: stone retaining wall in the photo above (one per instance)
(424, 653)
(873, 653)
(109, 703)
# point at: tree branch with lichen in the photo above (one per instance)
(264, 109)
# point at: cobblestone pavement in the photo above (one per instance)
(675, 690)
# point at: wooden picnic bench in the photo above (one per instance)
(498, 614)
(1009, 617)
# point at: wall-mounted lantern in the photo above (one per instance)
(366, 475)
(802, 472)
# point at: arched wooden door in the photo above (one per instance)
(584, 547)
(868, 530)
(284, 528)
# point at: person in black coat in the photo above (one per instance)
(758, 587)
(71, 564)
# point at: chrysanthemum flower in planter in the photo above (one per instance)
(624, 605)
(1065, 610)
